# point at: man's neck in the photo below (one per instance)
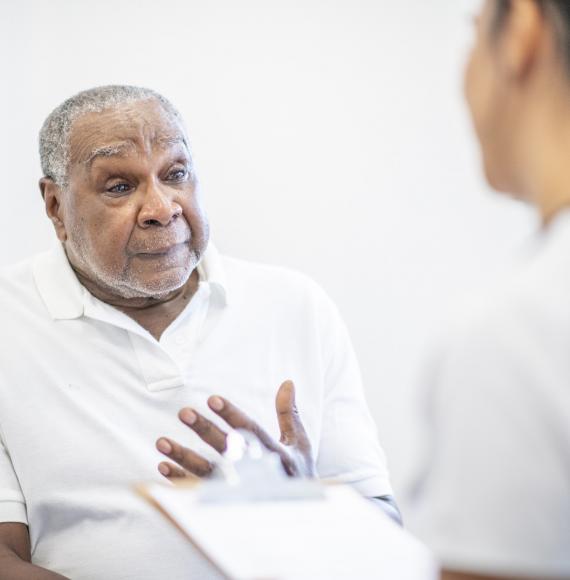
(155, 314)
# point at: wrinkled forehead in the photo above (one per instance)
(141, 126)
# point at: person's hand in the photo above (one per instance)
(293, 448)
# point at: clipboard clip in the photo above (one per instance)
(249, 472)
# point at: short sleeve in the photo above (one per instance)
(12, 504)
(349, 450)
(495, 495)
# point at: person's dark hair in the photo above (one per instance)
(558, 14)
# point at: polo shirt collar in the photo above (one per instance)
(63, 294)
(211, 270)
(58, 285)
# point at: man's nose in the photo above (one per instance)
(158, 208)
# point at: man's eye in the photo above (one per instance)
(178, 174)
(120, 188)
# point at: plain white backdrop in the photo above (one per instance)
(330, 136)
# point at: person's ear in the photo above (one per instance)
(52, 194)
(521, 38)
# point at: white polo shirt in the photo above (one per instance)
(85, 392)
(494, 497)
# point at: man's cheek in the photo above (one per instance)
(197, 219)
(110, 246)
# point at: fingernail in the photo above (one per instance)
(164, 446)
(216, 403)
(164, 469)
(188, 416)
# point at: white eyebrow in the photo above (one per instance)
(126, 146)
(109, 151)
(169, 141)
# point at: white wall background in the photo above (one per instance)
(330, 136)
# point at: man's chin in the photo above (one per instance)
(157, 287)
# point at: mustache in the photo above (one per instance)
(157, 239)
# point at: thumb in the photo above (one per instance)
(287, 414)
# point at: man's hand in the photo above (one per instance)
(293, 448)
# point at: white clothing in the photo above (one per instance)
(495, 493)
(85, 392)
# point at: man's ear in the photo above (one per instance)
(52, 194)
(521, 38)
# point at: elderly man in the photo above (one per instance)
(132, 317)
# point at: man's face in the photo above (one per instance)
(132, 217)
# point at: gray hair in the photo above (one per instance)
(55, 132)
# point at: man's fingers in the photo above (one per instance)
(296, 458)
(205, 429)
(171, 471)
(184, 457)
(230, 413)
(286, 412)
(239, 420)
(292, 430)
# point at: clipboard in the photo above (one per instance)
(254, 523)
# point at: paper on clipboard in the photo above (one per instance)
(342, 536)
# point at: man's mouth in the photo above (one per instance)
(161, 251)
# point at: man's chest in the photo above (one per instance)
(88, 407)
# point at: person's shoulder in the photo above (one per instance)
(510, 339)
(17, 276)
(257, 277)
(532, 304)
(279, 293)
(19, 291)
